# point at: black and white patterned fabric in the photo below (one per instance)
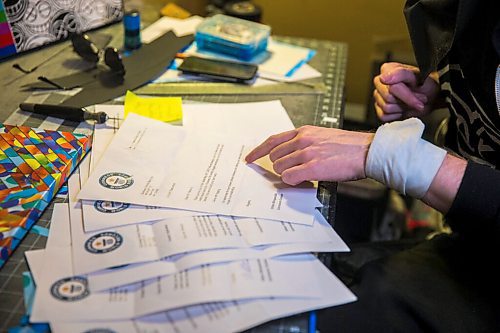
(468, 77)
(474, 130)
(37, 22)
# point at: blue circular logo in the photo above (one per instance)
(70, 289)
(103, 242)
(116, 180)
(110, 206)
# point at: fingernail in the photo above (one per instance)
(385, 77)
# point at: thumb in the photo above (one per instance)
(400, 75)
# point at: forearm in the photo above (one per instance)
(446, 183)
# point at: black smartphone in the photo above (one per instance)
(219, 69)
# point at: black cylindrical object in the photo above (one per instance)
(246, 10)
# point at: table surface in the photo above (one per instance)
(319, 102)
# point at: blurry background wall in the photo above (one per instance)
(372, 29)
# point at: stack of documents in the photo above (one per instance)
(167, 229)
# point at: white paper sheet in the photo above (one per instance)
(98, 215)
(246, 120)
(218, 317)
(181, 27)
(101, 214)
(284, 59)
(304, 72)
(111, 278)
(147, 242)
(250, 121)
(104, 133)
(241, 289)
(217, 180)
(59, 291)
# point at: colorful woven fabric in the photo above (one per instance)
(34, 164)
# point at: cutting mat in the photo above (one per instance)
(318, 102)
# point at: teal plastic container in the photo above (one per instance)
(232, 36)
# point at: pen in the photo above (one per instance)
(312, 322)
(64, 112)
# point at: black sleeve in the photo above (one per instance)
(475, 212)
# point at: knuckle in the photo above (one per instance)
(394, 88)
(386, 108)
(391, 108)
(304, 135)
(304, 129)
(290, 178)
(315, 168)
(278, 166)
(305, 155)
(387, 66)
(273, 155)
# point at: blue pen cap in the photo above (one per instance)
(132, 25)
(132, 20)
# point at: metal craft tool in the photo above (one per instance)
(65, 112)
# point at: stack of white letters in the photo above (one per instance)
(167, 229)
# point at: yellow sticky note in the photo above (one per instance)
(159, 108)
(173, 10)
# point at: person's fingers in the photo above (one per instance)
(298, 174)
(305, 137)
(385, 116)
(385, 93)
(390, 66)
(290, 159)
(406, 95)
(386, 106)
(383, 90)
(269, 144)
(313, 169)
(396, 73)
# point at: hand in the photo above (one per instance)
(316, 153)
(397, 93)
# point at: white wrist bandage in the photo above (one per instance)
(402, 160)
